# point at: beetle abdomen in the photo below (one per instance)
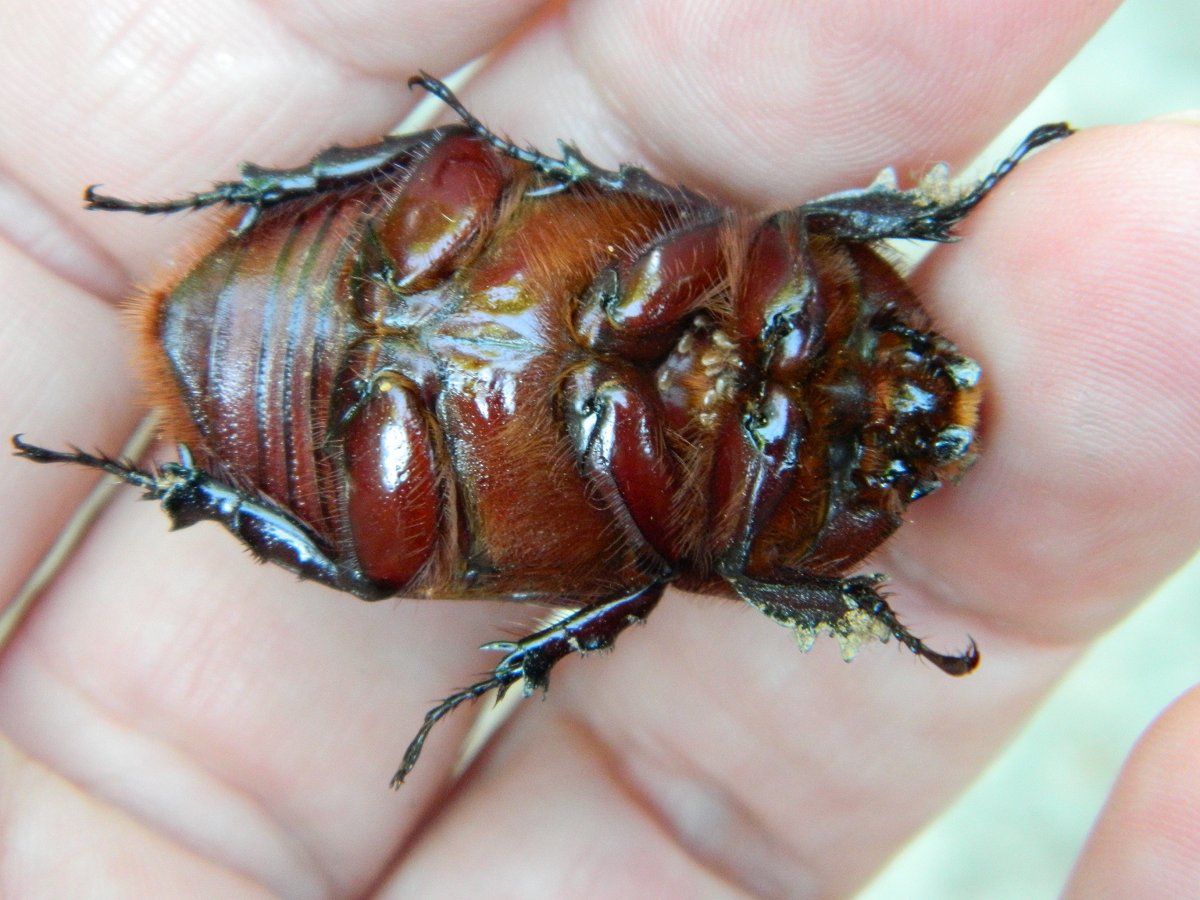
(243, 345)
(389, 363)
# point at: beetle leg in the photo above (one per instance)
(337, 166)
(762, 462)
(638, 308)
(394, 490)
(259, 187)
(592, 628)
(572, 168)
(616, 425)
(189, 495)
(922, 213)
(851, 609)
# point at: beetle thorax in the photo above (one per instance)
(700, 377)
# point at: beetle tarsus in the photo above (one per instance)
(232, 193)
(260, 187)
(123, 470)
(948, 215)
(882, 212)
(189, 494)
(435, 715)
(530, 659)
(571, 168)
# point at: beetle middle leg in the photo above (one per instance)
(635, 311)
(572, 167)
(616, 426)
(531, 658)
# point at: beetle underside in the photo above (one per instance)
(445, 366)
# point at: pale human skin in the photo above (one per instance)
(180, 722)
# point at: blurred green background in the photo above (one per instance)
(1017, 832)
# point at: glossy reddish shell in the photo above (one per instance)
(444, 365)
(410, 366)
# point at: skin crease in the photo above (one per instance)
(180, 722)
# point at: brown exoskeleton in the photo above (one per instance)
(445, 366)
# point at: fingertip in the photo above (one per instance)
(1074, 288)
(1146, 842)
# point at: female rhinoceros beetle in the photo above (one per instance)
(445, 366)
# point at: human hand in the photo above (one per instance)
(204, 726)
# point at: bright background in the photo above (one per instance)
(1019, 829)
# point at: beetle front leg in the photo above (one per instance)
(882, 211)
(768, 448)
(851, 609)
(589, 629)
(189, 494)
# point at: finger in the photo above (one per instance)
(551, 786)
(253, 719)
(62, 371)
(1147, 839)
(236, 812)
(1071, 288)
(158, 98)
(55, 835)
(776, 105)
(727, 738)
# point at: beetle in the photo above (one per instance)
(446, 366)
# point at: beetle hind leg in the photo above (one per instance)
(260, 187)
(531, 658)
(188, 494)
(125, 471)
(851, 609)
